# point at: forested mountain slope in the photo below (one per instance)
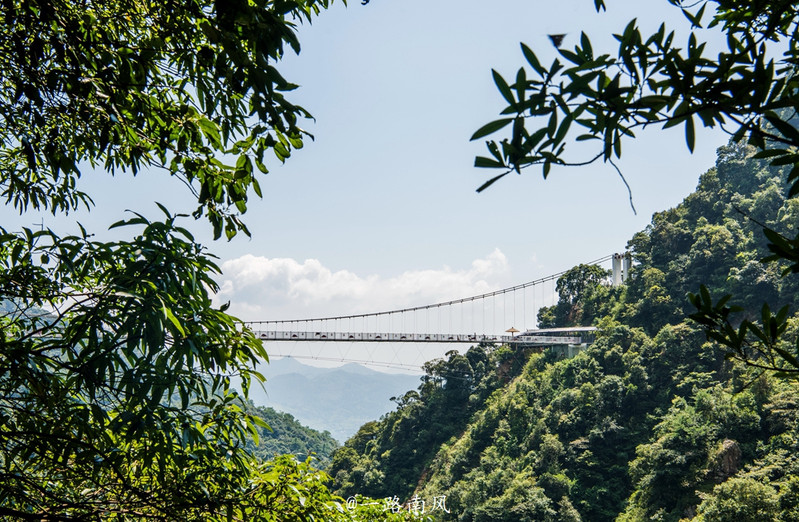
(650, 423)
(286, 435)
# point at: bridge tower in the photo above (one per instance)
(621, 268)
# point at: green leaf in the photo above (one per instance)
(585, 43)
(789, 357)
(689, 133)
(172, 319)
(695, 19)
(211, 132)
(483, 162)
(770, 153)
(491, 181)
(503, 87)
(532, 59)
(521, 84)
(786, 159)
(785, 128)
(794, 176)
(262, 168)
(490, 128)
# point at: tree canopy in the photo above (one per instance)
(600, 100)
(116, 369)
(575, 288)
(189, 88)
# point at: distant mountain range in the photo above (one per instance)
(339, 400)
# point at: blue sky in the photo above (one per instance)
(380, 211)
(388, 186)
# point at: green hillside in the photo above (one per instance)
(651, 422)
(287, 436)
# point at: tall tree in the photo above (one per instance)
(115, 367)
(750, 89)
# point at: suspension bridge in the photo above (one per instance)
(538, 337)
(490, 317)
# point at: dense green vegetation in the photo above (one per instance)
(286, 436)
(651, 422)
(387, 458)
(119, 403)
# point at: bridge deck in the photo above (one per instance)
(536, 337)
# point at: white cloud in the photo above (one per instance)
(261, 288)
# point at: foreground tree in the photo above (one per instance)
(115, 367)
(132, 84)
(750, 90)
